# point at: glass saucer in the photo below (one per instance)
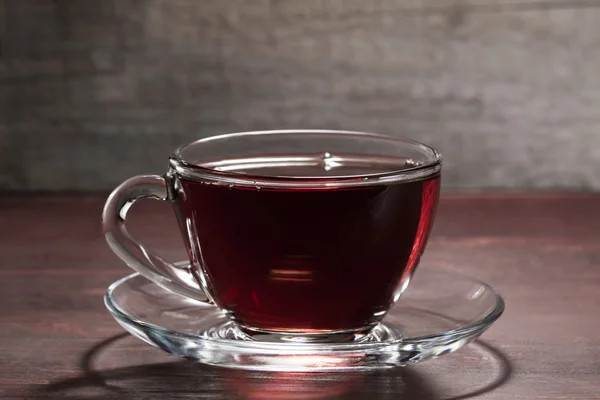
(439, 313)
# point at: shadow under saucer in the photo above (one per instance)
(122, 367)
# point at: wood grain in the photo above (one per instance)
(540, 251)
(508, 90)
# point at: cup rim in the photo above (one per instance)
(189, 170)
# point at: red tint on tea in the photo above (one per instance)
(309, 260)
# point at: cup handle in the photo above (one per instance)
(178, 278)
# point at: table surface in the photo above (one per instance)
(541, 251)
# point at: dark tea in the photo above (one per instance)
(307, 260)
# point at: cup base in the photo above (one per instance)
(431, 320)
(346, 336)
(232, 331)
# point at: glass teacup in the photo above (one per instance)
(307, 235)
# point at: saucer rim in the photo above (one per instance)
(468, 329)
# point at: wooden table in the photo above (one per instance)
(542, 252)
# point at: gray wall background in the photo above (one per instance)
(93, 91)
